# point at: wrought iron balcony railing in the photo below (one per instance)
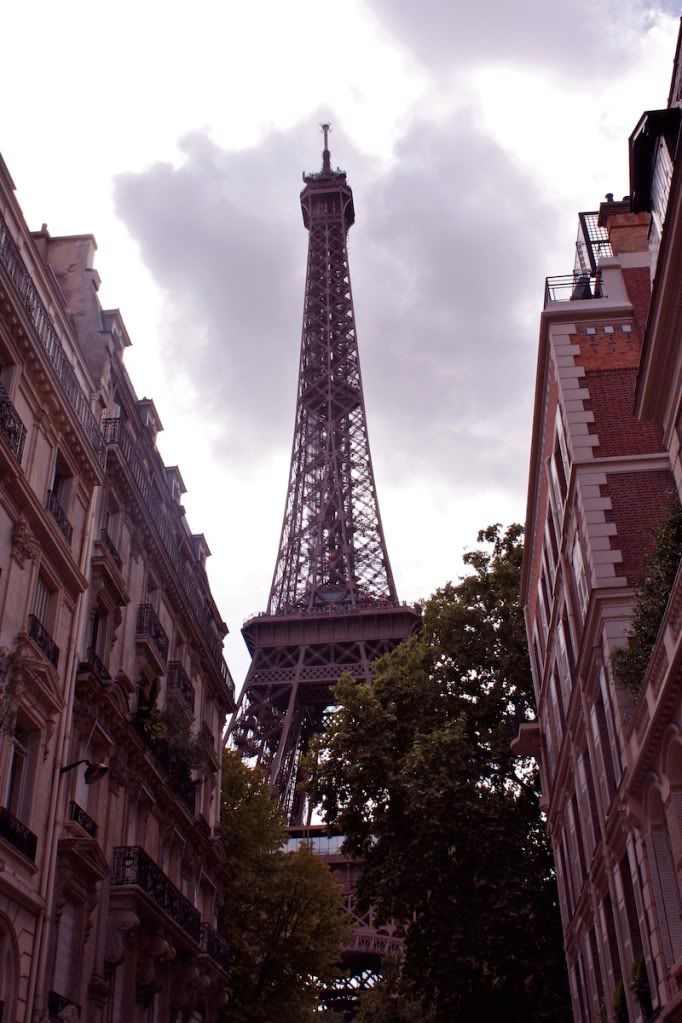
(110, 546)
(60, 1008)
(116, 433)
(42, 638)
(95, 665)
(179, 680)
(15, 268)
(175, 769)
(148, 624)
(11, 426)
(573, 287)
(59, 515)
(17, 834)
(214, 946)
(79, 816)
(132, 866)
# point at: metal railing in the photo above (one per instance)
(96, 665)
(115, 433)
(179, 680)
(573, 287)
(215, 947)
(59, 515)
(17, 834)
(148, 624)
(57, 1006)
(42, 638)
(16, 270)
(11, 426)
(110, 546)
(132, 866)
(80, 817)
(175, 769)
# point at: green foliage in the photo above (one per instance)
(639, 985)
(620, 1006)
(282, 915)
(630, 662)
(389, 1001)
(417, 772)
(170, 726)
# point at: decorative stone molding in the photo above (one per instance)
(123, 926)
(25, 547)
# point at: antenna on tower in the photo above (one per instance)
(325, 128)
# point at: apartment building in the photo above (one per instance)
(605, 472)
(113, 687)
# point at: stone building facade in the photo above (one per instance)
(110, 656)
(605, 470)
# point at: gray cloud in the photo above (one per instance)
(449, 250)
(590, 38)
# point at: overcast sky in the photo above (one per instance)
(471, 133)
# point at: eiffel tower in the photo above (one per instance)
(333, 606)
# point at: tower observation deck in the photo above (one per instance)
(333, 606)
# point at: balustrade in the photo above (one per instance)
(115, 433)
(132, 866)
(11, 426)
(148, 624)
(179, 680)
(15, 268)
(214, 946)
(110, 546)
(59, 515)
(95, 666)
(42, 638)
(17, 834)
(79, 816)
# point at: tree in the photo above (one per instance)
(417, 772)
(282, 915)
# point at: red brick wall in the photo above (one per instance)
(640, 500)
(612, 398)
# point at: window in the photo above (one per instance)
(551, 546)
(62, 480)
(23, 757)
(8, 973)
(579, 576)
(42, 601)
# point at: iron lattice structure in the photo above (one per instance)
(333, 605)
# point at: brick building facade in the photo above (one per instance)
(110, 656)
(605, 470)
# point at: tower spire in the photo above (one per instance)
(326, 155)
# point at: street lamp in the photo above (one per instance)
(93, 772)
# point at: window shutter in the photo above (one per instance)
(612, 968)
(585, 806)
(621, 909)
(611, 727)
(667, 893)
(600, 766)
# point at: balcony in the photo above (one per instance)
(80, 817)
(59, 515)
(94, 667)
(11, 426)
(151, 637)
(60, 1008)
(110, 547)
(179, 680)
(27, 294)
(42, 638)
(575, 287)
(17, 834)
(175, 769)
(133, 867)
(215, 947)
(118, 437)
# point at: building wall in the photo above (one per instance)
(604, 472)
(110, 652)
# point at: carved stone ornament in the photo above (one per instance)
(122, 927)
(25, 547)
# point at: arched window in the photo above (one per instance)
(8, 972)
